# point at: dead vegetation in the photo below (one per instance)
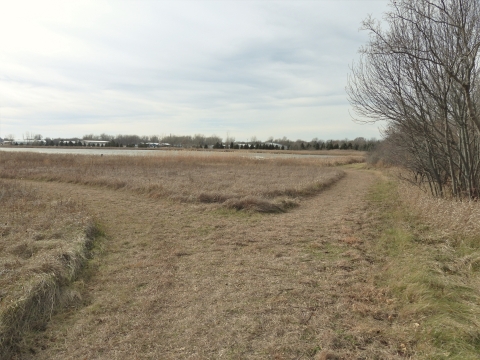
(179, 282)
(43, 245)
(368, 269)
(266, 185)
(448, 218)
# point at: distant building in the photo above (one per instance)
(262, 145)
(276, 145)
(94, 142)
(25, 142)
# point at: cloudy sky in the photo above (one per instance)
(249, 68)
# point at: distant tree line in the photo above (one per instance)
(215, 142)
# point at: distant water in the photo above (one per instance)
(155, 152)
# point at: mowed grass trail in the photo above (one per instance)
(183, 281)
(353, 265)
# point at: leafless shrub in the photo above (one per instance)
(420, 75)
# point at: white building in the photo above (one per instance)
(24, 142)
(94, 142)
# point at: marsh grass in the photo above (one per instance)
(43, 246)
(236, 181)
(431, 254)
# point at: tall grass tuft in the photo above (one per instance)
(44, 244)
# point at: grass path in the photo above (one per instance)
(183, 281)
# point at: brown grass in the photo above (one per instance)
(363, 270)
(448, 217)
(176, 281)
(43, 245)
(368, 269)
(213, 178)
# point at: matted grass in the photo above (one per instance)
(43, 245)
(267, 185)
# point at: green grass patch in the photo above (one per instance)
(434, 281)
(356, 166)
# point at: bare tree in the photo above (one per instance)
(421, 76)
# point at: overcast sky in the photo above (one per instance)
(250, 68)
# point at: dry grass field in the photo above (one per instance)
(44, 243)
(238, 182)
(338, 262)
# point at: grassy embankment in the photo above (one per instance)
(431, 271)
(237, 182)
(44, 245)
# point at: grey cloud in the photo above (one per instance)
(190, 67)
